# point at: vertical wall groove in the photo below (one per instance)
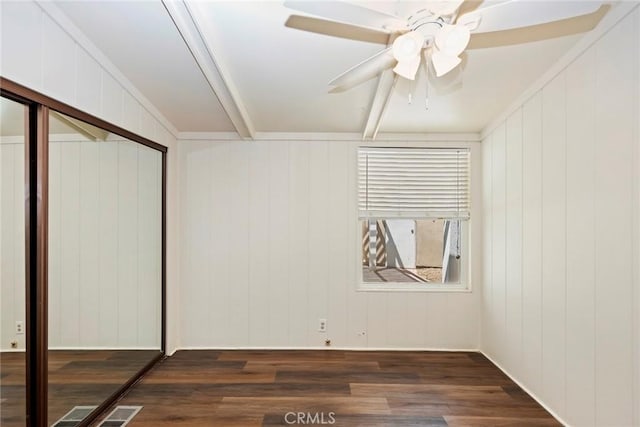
(301, 255)
(580, 197)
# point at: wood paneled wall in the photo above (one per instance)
(54, 58)
(270, 243)
(40, 54)
(560, 206)
(104, 244)
(12, 243)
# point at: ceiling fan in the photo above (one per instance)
(435, 33)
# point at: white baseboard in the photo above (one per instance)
(522, 386)
(103, 348)
(22, 350)
(326, 348)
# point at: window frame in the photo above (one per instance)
(467, 225)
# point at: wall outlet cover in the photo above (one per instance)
(322, 325)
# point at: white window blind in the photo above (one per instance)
(413, 182)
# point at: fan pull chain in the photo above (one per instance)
(427, 58)
(410, 98)
(426, 97)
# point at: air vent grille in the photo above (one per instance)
(120, 416)
(74, 416)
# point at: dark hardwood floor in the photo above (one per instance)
(363, 388)
(12, 389)
(76, 378)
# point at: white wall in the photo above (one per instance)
(270, 243)
(560, 196)
(43, 50)
(104, 244)
(12, 241)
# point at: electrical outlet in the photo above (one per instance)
(322, 325)
(19, 327)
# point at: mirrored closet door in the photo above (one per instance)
(82, 260)
(105, 263)
(12, 264)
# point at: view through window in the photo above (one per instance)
(407, 250)
(414, 209)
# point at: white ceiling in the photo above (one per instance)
(280, 74)
(142, 41)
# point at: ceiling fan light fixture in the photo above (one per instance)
(408, 46)
(408, 68)
(406, 50)
(443, 63)
(453, 39)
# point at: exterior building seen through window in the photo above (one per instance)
(414, 210)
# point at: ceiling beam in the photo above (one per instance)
(386, 84)
(88, 131)
(212, 67)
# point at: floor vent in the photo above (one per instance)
(74, 416)
(120, 416)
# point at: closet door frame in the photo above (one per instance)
(37, 107)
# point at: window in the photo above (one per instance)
(414, 209)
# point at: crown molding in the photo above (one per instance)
(332, 136)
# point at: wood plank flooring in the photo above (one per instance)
(76, 378)
(363, 388)
(12, 389)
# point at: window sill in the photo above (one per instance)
(408, 287)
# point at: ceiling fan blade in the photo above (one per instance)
(550, 30)
(444, 7)
(364, 71)
(337, 29)
(347, 12)
(469, 6)
(513, 14)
